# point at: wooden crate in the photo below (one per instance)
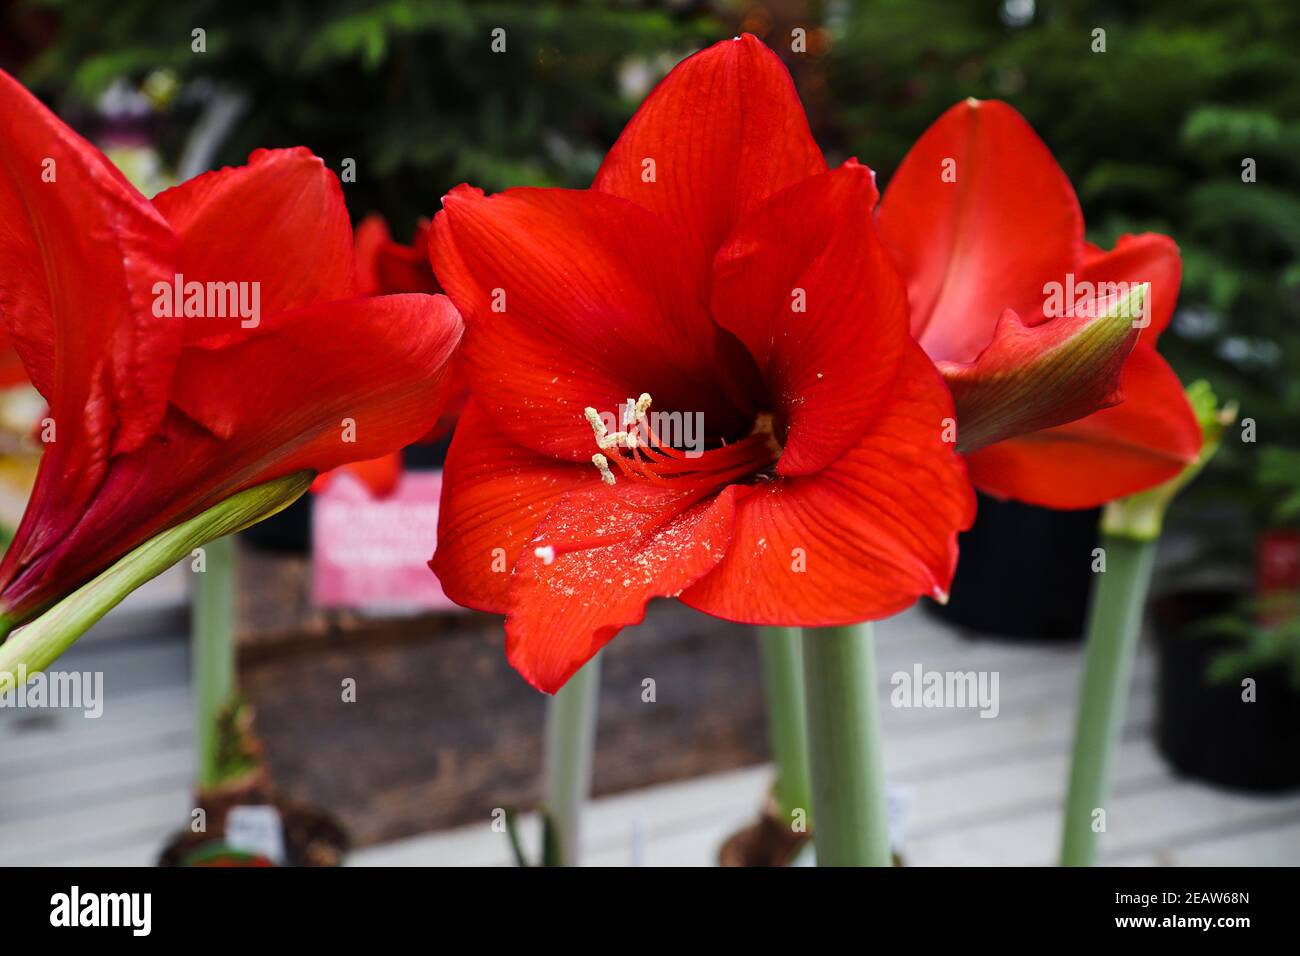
(443, 730)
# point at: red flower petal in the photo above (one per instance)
(372, 368)
(11, 366)
(725, 130)
(457, 397)
(380, 475)
(370, 237)
(279, 221)
(1147, 439)
(80, 250)
(871, 532)
(494, 493)
(376, 363)
(385, 267)
(986, 242)
(574, 299)
(564, 610)
(806, 286)
(1147, 258)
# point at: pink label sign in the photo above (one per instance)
(372, 553)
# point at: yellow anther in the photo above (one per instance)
(597, 426)
(632, 414)
(602, 464)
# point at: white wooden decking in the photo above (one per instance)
(108, 790)
(978, 791)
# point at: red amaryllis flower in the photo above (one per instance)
(381, 475)
(385, 267)
(1012, 305)
(694, 379)
(188, 348)
(11, 366)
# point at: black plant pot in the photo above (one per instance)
(1205, 730)
(1023, 573)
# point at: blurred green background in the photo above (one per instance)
(1153, 132)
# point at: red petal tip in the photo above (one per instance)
(263, 154)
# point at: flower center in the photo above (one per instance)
(640, 454)
(637, 453)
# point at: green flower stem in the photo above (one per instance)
(1130, 529)
(570, 739)
(846, 759)
(35, 646)
(1114, 623)
(213, 652)
(787, 729)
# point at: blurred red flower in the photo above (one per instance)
(158, 413)
(11, 366)
(719, 272)
(386, 267)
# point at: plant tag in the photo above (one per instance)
(372, 553)
(898, 804)
(256, 829)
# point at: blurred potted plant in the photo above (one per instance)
(282, 832)
(1048, 567)
(1229, 670)
(1229, 686)
(238, 820)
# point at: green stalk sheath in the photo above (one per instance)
(213, 651)
(570, 739)
(787, 729)
(844, 745)
(1114, 624)
(35, 646)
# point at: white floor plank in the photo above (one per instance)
(979, 791)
